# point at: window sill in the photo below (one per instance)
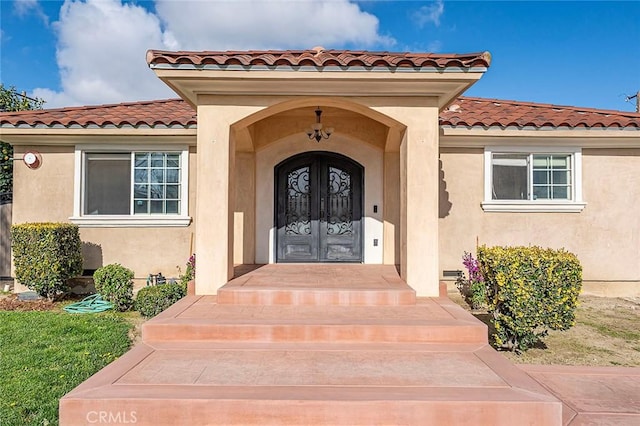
(130, 221)
(533, 207)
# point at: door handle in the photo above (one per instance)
(321, 208)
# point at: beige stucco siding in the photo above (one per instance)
(610, 227)
(143, 250)
(605, 235)
(44, 194)
(47, 195)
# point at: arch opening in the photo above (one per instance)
(285, 119)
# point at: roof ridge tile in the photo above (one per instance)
(320, 57)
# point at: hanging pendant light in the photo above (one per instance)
(316, 131)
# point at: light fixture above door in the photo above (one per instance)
(316, 131)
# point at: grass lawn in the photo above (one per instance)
(46, 354)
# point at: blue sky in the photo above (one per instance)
(83, 52)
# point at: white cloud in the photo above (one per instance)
(429, 14)
(101, 47)
(245, 24)
(101, 44)
(24, 7)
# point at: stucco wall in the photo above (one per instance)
(46, 195)
(245, 213)
(605, 235)
(5, 240)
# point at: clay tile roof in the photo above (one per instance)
(318, 57)
(469, 112)
(464, 112)
(162, 113)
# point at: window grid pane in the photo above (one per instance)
(157, 183)
(551, 177)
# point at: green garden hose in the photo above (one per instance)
(89, 305)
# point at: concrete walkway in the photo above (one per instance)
(336, 345)
(592, 395)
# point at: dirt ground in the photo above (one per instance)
(607, 333)
(10, 302)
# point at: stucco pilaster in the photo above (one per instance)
(215, 204)
(391, 208)
(245, 208)
(419, 174)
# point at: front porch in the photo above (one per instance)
(313, 344)
(268, 192)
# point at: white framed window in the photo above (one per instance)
(533, 179)
(131, 186)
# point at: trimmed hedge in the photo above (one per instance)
(529, 291)
(115, 283)
(46, 255)
(152, 300)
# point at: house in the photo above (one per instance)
(397, 167)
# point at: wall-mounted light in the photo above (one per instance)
(32, 159)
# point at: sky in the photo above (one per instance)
(88, 52)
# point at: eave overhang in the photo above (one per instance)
(478, 136)
(191, 78)
(44, 135)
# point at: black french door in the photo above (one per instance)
(319, 209)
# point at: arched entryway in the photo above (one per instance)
(318, 200)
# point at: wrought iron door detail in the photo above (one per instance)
(318, 208)
(339, 203)
(298, 212)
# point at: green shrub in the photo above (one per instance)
(152, 300)
(115, 283)
(478, 295)
(529, 291)
(46, 255)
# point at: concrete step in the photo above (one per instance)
(338, 285)
(237, 383)
(201, 318)
(253, 295)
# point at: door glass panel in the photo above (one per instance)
(339, 203)
(297, 209)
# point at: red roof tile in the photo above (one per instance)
(468, 112)
(464, 111)
(318, 57)
(162, 113)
